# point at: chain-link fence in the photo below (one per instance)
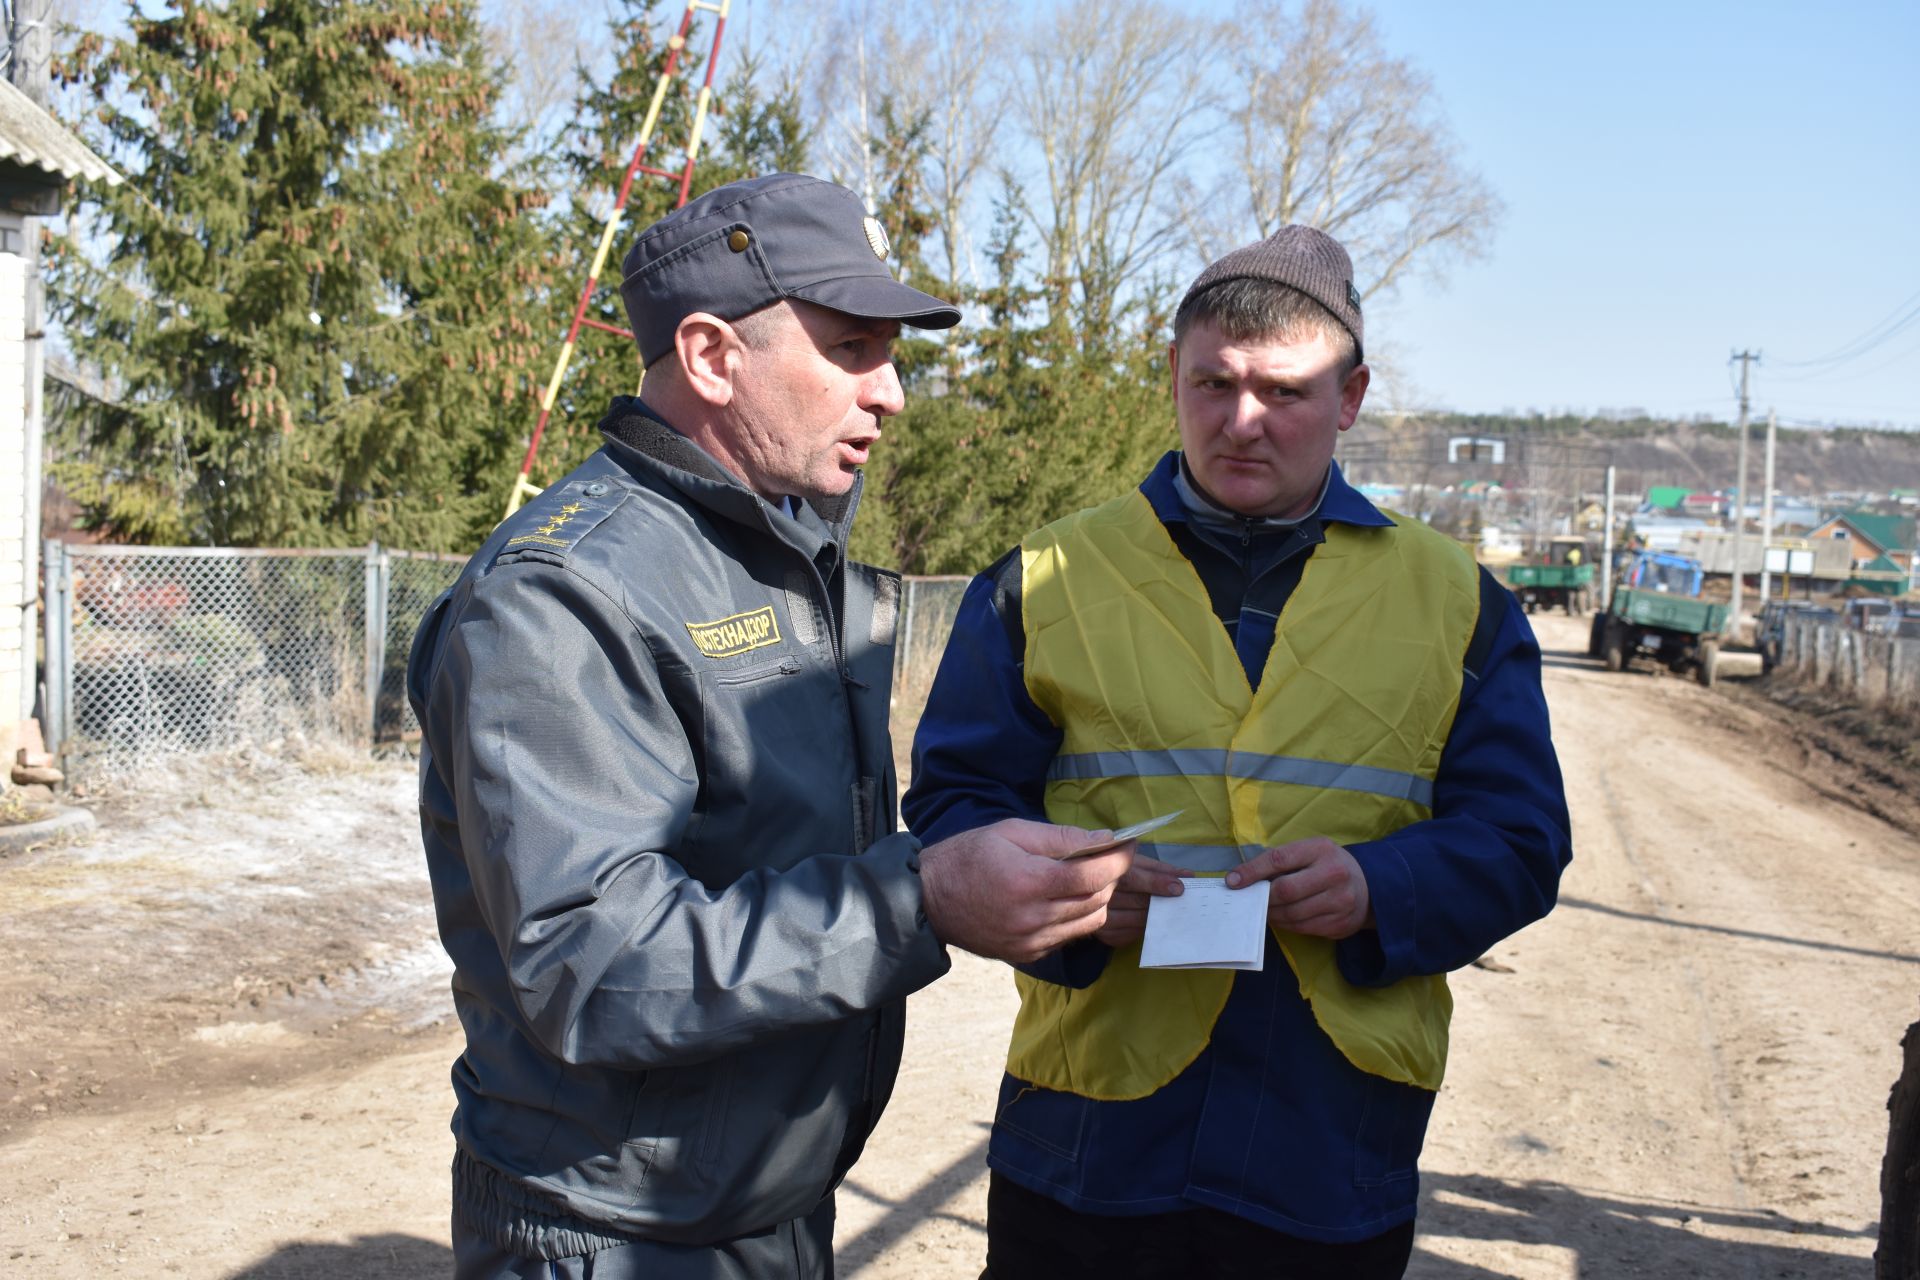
(159, 651)
(156, 651)
(409, 581)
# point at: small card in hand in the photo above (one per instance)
(1125, 834)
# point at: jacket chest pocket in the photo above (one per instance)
(758, 672)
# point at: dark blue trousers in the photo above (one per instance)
(1033, 1237)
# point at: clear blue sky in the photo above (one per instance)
(1682, 179)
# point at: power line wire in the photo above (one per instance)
(1827, 375)
(1876, 335)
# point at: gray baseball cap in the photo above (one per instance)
(751, 243)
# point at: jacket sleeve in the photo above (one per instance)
(573, 782)
(1488, 862)
(982, 748)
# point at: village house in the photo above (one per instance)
(1880, 548)
(1871, 537)
(38, 160)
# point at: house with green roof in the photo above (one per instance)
(1666, 497)
(1880, 548)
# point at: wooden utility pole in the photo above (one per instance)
(1766, 514)
(30, 48)
(1747, 360)
(1606, 545)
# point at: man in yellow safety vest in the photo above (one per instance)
(1342, 706)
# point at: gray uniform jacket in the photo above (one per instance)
(657, 796)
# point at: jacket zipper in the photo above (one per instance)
(834, 622)
(750, 675)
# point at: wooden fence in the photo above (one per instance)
(1872, 670)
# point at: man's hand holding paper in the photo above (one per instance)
(1318, 888)
(1146, 879)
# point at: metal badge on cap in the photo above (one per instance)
(877, 238)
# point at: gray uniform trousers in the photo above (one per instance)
(798, 1249)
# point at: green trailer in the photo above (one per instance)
(1657, 611)
(1545, 585)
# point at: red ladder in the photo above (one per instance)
(523, 487)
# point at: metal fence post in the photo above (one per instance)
(385, 595)
(903, 638)
(58, 698)
(68, 666)
(376, 636)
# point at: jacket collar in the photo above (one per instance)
(643, 442)
(1339, 501)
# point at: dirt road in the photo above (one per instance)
(218, 1021)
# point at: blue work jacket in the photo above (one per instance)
(1271, 1122)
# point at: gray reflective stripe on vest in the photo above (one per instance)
(1201, 857)
(1205, 762)
(1180, 762)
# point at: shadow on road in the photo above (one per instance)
(1616, 1236)
(1608, 1234)
(1580, 904)
(903, 1215)
(382, 1257)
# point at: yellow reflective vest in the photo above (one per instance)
(1343, 740)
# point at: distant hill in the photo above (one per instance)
(1645, 452)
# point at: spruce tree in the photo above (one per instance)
(312, 295)
(1017, 426)
(890, 529)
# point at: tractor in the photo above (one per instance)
(1656, 609)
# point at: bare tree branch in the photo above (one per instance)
(938, 61)
(948, 72)
(1110, 96)
(1335, 133)
(544, 42)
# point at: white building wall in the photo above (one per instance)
(17, 578)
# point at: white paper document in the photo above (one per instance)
(1209, 926)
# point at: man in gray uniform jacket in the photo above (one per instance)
(657, 792)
